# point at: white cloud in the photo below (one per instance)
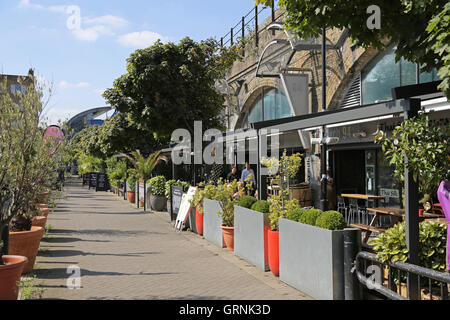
(141, 39)
(99, 91)
(109, 21)
(58, 9)
(67, 85)
(28, 4)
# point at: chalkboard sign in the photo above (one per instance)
(177, 196)
(102, 182)
(86, 177)
(93, 180)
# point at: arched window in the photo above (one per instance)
(384, 74)
(271, 104)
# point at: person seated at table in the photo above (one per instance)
(248, 177)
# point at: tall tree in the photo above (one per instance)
(169, 86)
(420, 28)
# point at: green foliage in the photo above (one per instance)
(146, 92)
(247, 202)
(88, 164)
(295, 214)
(310, 217)
(261, 206)
(176, 183)
(331, 220)
(228, 195)
(132, 179)
(210, 191)
(391, 245)
(279, 208)
(419, 28)
(29, 290)
(197, 199)
(144, 166)
(157, 186)
(117, 172)
(426, 144)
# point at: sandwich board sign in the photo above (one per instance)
(185, 208)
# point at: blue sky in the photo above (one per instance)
(81, 60)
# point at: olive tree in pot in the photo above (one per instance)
(132, 179)
(27, 167)
(228, 195)
(158, 200)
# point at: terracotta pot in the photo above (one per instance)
(274, 252)
(43, 197)
(228, 237)
(26, 243)
(199, 221)
(40, 221)
(141, 204)
(45, 212)
(10, 275)
(41, 206)
(131, 196)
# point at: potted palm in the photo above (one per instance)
(132, 179)
(143, 166)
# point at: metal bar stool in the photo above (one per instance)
(342, 208)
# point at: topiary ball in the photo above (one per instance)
(261, 206)
(295, 214)
(310, 217)
(331, 220)
(247, 202)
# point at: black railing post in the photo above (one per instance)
(243, 29)
(231, 32)
(221, 43)
(256, 27)
(412, 209)
(273, 10)
(352, 246)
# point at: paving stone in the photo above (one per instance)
(124, 253)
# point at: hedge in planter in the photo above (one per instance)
(247, 202)
(331, 220)
(310, 217)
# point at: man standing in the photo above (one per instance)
(248, 177)
(233, 175)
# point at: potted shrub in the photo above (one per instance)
(28, 167)
(157, 186)
(279, 208)
(312, 241)
(132, 179)
(197, 203)
(228, 195)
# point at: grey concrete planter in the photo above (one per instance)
(211, 222)
(249, 237)
(312, 260)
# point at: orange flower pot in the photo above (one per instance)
(274, 252)
(26, 243)
(199, 221)
(40, 221)
(45, 212)
(43, 197)
(10, 275)
(228, 237)
(131, 196)
(41, 206)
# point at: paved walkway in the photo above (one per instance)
(126, 254)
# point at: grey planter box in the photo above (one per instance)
(312, 260)
(211, 222)
(249, 237)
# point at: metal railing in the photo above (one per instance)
(249, 25)
(401, 281)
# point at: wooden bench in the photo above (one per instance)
(369, 228)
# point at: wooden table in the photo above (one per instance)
(366, 197)
(398, 216)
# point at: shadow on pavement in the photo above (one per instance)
(105, 232)
(74, 253)
(69, 240)
(61, 273)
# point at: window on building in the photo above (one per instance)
(384, 74)
(17, 88)
(271, 104)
